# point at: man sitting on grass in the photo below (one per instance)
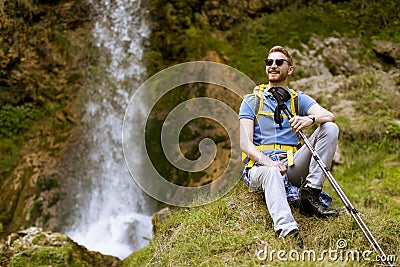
(273, 161)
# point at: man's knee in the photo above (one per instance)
(266, 171)
(270, 174)
(331, 130)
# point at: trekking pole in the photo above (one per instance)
(280, 94)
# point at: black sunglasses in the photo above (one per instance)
(278, 62)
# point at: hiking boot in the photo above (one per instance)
(294, 236)
(311, 205)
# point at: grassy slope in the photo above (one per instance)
(229, 231)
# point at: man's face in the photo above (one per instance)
(275, 73)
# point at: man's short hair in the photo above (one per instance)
(284, 51)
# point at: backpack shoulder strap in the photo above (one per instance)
(294, 102)
(258, 99)
(258, 92)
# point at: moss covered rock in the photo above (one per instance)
(34, 247)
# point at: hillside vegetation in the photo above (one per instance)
(345, 56)
(337, 62)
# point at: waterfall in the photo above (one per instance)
(111, 214)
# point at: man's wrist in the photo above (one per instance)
(265, 160)
(312, 118)
(262, 158)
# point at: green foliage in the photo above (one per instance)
(376, 109)
(297, 23)
(9, 152)
(15, 121)
(377, 19)
(42, 256)
(393, 129)
(185, 31)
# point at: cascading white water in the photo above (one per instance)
(112, 215)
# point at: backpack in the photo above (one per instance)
(258, 92)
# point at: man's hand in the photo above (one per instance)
(300, 122)
(266, 161)
(280, 166)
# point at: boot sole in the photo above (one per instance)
(312, 214)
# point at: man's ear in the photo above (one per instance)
(291, 70)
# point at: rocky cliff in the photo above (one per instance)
(35, 247)
(44, 51)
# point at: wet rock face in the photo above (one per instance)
(42, 57)
(39, 50)
(34, 247)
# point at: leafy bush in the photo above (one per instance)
(15, 121)
(393, 129)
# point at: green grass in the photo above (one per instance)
(231, 230)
